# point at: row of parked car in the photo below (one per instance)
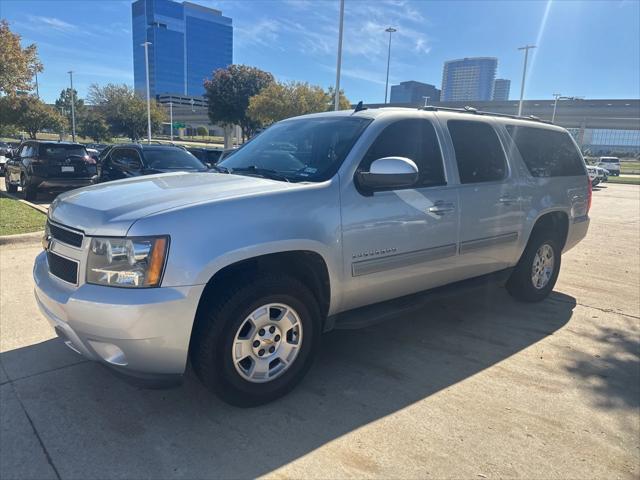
(36, 165)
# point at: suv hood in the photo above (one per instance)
(111, 208)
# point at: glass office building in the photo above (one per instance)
(469, 79)
(188, 42)
(414, 93)
(501, 88)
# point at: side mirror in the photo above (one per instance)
(389, 173)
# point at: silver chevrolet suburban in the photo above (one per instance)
(325, 220)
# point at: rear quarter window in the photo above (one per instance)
(547, 153)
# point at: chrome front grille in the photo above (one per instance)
(63, 268)
(65, 235)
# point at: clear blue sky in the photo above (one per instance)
(585, 48)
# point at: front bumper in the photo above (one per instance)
(143, 333)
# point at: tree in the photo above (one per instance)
(32, 115)
(94, 126)
(124, 111)
(284, 100)
(64, 102)
(17, 65)
(202, 131)
(228, 94)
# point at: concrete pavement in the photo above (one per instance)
(474, 387)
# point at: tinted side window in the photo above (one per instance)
(547, 153)
(414, 139)
(479, 155)
(126, 158)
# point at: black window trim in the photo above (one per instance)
(436, 128)
(509, 173)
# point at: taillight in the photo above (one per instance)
(589, 193)
(89, 160)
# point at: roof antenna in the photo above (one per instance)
(359, 107)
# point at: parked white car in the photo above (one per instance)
(612, 164)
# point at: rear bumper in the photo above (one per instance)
(577, 231)
(54, 183)
(141, 333)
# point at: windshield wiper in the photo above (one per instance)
(220, 169)
(260, 172)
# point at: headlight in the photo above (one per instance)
(127, 262)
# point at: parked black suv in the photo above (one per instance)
(39, 165)
(124, 161)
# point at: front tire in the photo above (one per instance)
(10, 187)
(537, 271)
(255, 342)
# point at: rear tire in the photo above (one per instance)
(215, 348)
(30, 191)
(535, 275)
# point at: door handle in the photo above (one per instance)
(508, 200)
(441, 208)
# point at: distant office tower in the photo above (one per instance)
(501, 88)
(468, 79)
(414, 92)
(188, 42)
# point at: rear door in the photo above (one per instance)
(491, 215)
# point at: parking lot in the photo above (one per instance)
(477, 386)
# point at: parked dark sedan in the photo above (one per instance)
(124, 161)
(40, 165)
(208, 156)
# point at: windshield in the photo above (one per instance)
(609, 160)
(60, 152)
(171, 159)
(307, 149)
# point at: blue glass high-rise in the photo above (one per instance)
(468, 79)
(188, 43)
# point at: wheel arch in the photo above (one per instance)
(308, 266)
(556, 221)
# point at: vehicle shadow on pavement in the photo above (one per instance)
(95, 425)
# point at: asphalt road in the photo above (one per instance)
(478, 386)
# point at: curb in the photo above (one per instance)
(40, 208)
(25, 238)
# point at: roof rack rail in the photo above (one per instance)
(474, 111)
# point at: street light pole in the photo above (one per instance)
(390, 30)
(336, 101)
(555, 106)
(526, 49)
(171, 118)
(73, 108)
(146, 64)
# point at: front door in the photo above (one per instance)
(401, 241)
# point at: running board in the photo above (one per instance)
(379, 312)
